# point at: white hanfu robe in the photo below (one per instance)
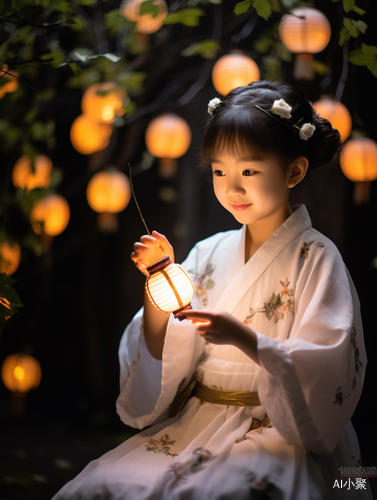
(296, 293)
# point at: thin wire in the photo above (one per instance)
(133, 194)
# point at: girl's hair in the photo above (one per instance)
(238, 127)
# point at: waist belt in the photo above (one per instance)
(214, 396)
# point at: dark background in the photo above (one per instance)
(81, 294)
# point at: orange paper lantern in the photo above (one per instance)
(234, 70)
(146, 23)
(50, 216)
(11, 83)
(102, 108)
(24, 178)
(88, 137)
(337, 114)
(108, 191)
(10, 257)
(20, 373)
(168, 136)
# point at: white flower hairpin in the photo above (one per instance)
(283, 110)
(212, 105)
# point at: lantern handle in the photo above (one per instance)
(133, 194)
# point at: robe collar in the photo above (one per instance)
(241, 277)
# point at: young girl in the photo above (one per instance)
(251, 394)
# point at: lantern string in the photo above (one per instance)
(133, 194)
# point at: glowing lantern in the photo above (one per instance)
(306, 31)
(146, 23)
(337, 114)
(102, 108)
(88, 137)
(234, 70)
(358, 161)
(168, 137)
(10, 257)
(50, 216)
(20, 373)
(11, 83)
(169, 287)
(23, 177)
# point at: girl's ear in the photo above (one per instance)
(297, 171)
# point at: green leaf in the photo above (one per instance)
(366, 56)
(38, 131)
(263, 8)
(114, 21)
(148, 7)
(187, 17)
(359, 11)
(348, 5)
(216, 2)
(242, 7)
(320, 68)
(361, 26)
(87, 2)
(131, 80)
(369, 49)
(9, 299)
(76, 70)
(111, 57)
(207, 49)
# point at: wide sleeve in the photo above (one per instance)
(147, 385)
(310, 384)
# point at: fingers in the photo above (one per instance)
(197, 316)
(164, 243)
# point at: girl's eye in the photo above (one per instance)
(248, 172)
(218, 173)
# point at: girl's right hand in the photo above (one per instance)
(150, 249)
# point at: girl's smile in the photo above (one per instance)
(239, 208)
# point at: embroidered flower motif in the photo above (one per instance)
(276, 306)
(306, 131)
(204, 283)
(180, 470)
(212, 105)
(304, 252)
(282, 109)
(161, 445)
(339, 398)
(358, 363)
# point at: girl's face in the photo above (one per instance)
(251, 190)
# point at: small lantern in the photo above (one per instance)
(24, 178)
(88, 137)
(11, 84)
(337, 114)
(305, 31)
(358, 161)
(20, 373)
(50, 216)
(145, 23)
(234, 70)
(102, 108)
(169, 287)
(108, 193)
(168, 137)
(10, 257)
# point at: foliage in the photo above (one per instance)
(9, 299)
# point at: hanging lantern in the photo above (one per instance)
(358, 161)
(102, 108)
(305, 31)
(169, 287)
(20, 373)
(23, 176)
(50, 216)
(234, 70)
(168, 137)
(10, 258)
(11, 83)
(337, 114)
(145, 23)
(88, 137)
(108, 193)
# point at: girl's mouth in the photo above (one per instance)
(239, 208)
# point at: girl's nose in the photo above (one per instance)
(234, 187)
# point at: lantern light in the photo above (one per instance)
(23, 176)
(20, 373)
(337, 114)
(169, 287)
(10, 257)
(145, 23)
(234, 70)
(50, 216)
(304, 31)
(102, 108)
(88, 137)
(11, 84)
(358, 161)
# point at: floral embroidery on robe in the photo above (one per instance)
(276, 306)
(161, 445)
(204, 283)
(181, 470)
(304, 252)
